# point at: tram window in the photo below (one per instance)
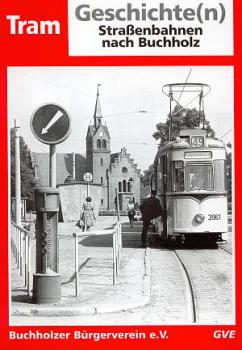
(160, 177)
(219, 175)
(199, 177)
(178, 176)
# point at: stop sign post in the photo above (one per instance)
(51, 125)
(88, 178)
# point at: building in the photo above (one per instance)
(117, 172)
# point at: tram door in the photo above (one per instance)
(163, 190)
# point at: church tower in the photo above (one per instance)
(98, 151)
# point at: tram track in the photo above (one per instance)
(226, 250)
(208, 284)
(189, 293)
(200, 279)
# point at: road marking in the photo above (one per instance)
(56, 117)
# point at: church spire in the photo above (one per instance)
(97, 111)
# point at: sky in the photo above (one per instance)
(132, 102)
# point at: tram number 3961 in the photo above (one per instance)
(214, 217)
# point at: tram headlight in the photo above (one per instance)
(199, 218)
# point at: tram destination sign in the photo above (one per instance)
(50, 124)
(198, 154)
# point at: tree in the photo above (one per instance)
(145, 182)
(185, 118)
(26, 170)
(146, 177)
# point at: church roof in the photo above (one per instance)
(64, 169)
(97, 110)
(114, 156)
(97, 118)
(94, 130)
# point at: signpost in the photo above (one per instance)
(51, 125)
(88, 178)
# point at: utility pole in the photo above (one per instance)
(17, 174)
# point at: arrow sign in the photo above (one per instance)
(56, 117)
(50, 124)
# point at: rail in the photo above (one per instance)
(116, 233)
(190, 297)
(226, 250)
(21, 248)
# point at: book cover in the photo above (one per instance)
(120, 172)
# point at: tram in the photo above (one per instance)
(190, 179)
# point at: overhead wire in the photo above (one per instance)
(225, 134)
(185, 83)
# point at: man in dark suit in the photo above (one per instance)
(150, 209)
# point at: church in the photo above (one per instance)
(116, 173)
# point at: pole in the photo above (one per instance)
(44, 247)
(17, 175)
(170, 125)
(52, 166)
(114, 259)
(88, 189)
(29, 262)
(73, 166)
(76, 267)
(117, 203)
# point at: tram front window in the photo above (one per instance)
(198, 177)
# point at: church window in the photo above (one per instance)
(129, 187)
(101, 180)
(120, 186)
(124, 186)
(101, 201)
(98, 144)
(101, 162)
(124, 170)
(104, 144)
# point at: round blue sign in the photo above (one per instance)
(50, 124)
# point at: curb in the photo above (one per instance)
(147, 276)
(70, 310)
(75, 310)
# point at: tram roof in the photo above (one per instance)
(182, 142)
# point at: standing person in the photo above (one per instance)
(150, 209)
(87, 215)
(131, 212)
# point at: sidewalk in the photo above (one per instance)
(97, 293)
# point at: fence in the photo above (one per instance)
(116, 233)
(21, 248)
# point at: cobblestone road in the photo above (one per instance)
(211, 274)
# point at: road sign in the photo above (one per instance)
(50, 124)
(87, 177)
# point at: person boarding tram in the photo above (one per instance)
(150, 209)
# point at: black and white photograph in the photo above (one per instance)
(121, 195)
